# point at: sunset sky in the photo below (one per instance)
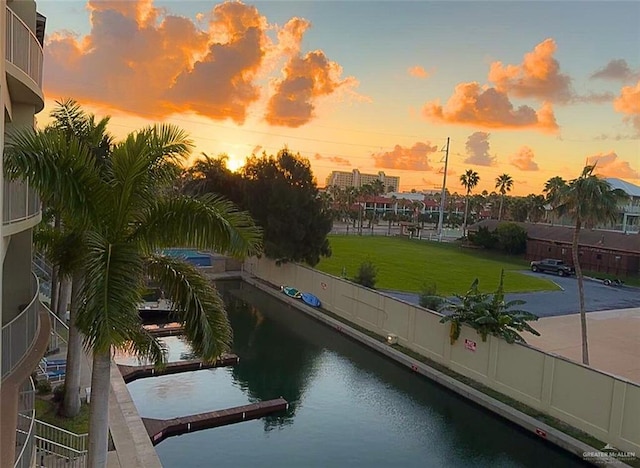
(533, 89)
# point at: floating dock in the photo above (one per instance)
(131, 373)
(166, 331)
(160, 429)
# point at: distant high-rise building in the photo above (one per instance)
(356, 179)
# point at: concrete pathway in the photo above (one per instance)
(614, 340)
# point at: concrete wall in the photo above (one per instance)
(597, 403)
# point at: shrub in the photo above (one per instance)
(367, 274)
(483, 238)
(489, 314)
(511, 238)
(58, 393)
(429, 298)
(43, 387)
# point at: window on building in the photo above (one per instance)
(598, 257)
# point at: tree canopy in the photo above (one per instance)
(282, 196)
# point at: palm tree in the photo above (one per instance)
(553, 187)
(126, 213)
(61, 241)
(469, 180)
(588, 200)
(504, 183)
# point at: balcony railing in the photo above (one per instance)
(57, 447)
(19, 334)
(20, 202)
(23, 48)
(25, 433)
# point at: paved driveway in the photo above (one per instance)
(564, 302)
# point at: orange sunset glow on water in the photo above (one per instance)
(531, 89)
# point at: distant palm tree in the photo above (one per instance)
(469, 180)
(588, 200)
(504, 183)
(553, 187)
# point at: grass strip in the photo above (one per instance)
(47, 411)
(408, 264)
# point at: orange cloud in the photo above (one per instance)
(523, 159)
(139, 58)
(489, 108)
(628, 103)
(538, 76)
(415, 158)
(477, 147)
(334, 159)
(609, 165)
(418, 72)
(305, 79)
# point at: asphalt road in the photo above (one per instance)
(565, 302)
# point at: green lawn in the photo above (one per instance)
(46, 411)
(405, 265)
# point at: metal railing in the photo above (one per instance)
(26, 424)
(58, 447)
(22, 48)
(19, 334)
(21, 202)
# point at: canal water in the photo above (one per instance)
(350, 407)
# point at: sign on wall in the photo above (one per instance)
(470, 345)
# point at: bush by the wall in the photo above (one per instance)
(429, 298)
(367, 274)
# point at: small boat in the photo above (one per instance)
(291, 292)
(310, 299)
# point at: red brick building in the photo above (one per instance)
(610, 252)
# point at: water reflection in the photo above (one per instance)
(271, 365)
(350, 406)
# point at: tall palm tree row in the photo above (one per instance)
(125, 211)
(469, 180)
(588, 200)
(504, 184)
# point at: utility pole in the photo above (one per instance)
(443, 193)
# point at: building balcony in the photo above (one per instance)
(631, 209)
(19, 335)
(21, 207)
(24, 59)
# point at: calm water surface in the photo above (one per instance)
(350, 407)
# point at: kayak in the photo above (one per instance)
(291, 292)
(310, 299)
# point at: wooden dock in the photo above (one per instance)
(166, 331)
(160, 429)
(131, 373)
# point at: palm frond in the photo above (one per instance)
(60, 168)
(196, 304)
(112, 292)
(167, 142)
(209, 222)
(64, 249)
(146, 347)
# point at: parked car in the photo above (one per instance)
(552, 265)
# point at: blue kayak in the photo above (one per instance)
(310, 299)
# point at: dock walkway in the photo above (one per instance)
(160, 429)
(131, 373)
